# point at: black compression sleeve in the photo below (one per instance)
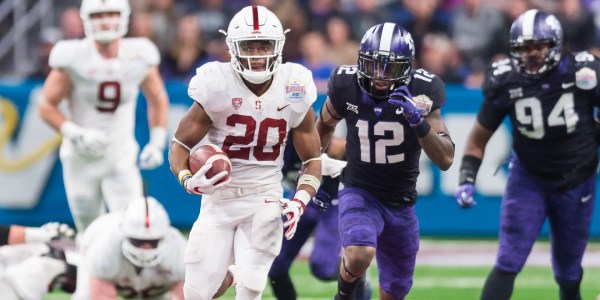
(4, 232)
(468, 169)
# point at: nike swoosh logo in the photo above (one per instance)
(281, 108)
(197, 190)
(398, 111)
(567, 85)
(586, 198)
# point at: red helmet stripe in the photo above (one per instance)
(147, 222)
(255, 17)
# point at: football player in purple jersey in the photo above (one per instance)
(392, 112)
(549, 96)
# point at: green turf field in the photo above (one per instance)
(431, 283)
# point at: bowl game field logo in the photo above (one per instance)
(295, 90)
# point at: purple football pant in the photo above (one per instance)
(526, 205)
(393, 231)
(326, 249)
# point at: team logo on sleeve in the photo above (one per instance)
(295, 90)
(585, 79)
(423, 104)
(236, 103)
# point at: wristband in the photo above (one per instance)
(309, 180)
(468, 169)
(34, 234)
(303, 197)
(421, 129)
(183, 175)
(158, 137)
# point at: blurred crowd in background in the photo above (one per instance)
(455, 39)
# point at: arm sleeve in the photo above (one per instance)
(333, 94)
(489, 116)
(4, 233)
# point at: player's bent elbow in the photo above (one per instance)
(445, 164)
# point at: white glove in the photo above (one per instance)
(90, 142)
(292, 209)
(200, 185)
(331, 167)
(47, 232)
(152, 154)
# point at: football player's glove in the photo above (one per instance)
(47, 232)
(151, 157)
(321, 200)
(292, 209)
(331, 167)
(90, 142)
(200, 185)
(464, 195)
(402, 98)
(152, 154)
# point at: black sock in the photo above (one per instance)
(282, 286)
(346, 289)
(361, 293)
(498, 285)
(570, 290)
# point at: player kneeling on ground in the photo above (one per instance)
(132, 253)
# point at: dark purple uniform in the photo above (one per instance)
(554, 161)
(376, 205)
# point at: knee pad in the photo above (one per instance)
(253, 278)
(267, 230)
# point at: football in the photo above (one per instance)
(210, 153)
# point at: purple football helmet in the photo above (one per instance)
(384, 59)
(532, 29)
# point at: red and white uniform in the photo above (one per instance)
(103, 97)
(253, 131)
(102, 257)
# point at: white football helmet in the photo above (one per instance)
(105, 29)
(145, 221)
(255, 23)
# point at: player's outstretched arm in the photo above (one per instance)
(471, 161)
(306, 141)
(56, 87)
(437, 144)
(158, 105)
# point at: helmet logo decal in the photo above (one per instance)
(255, 17)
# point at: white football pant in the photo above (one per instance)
(235, 224)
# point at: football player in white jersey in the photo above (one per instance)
(100, 77)
(246, 107)
(133, 254)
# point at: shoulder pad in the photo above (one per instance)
(207, 84)
(496, 75)
(428, 88)
(63, 52)
(142, 47)
(300, 88)
(343, 76)
(103, 257)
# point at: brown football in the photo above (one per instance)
(210, 153)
